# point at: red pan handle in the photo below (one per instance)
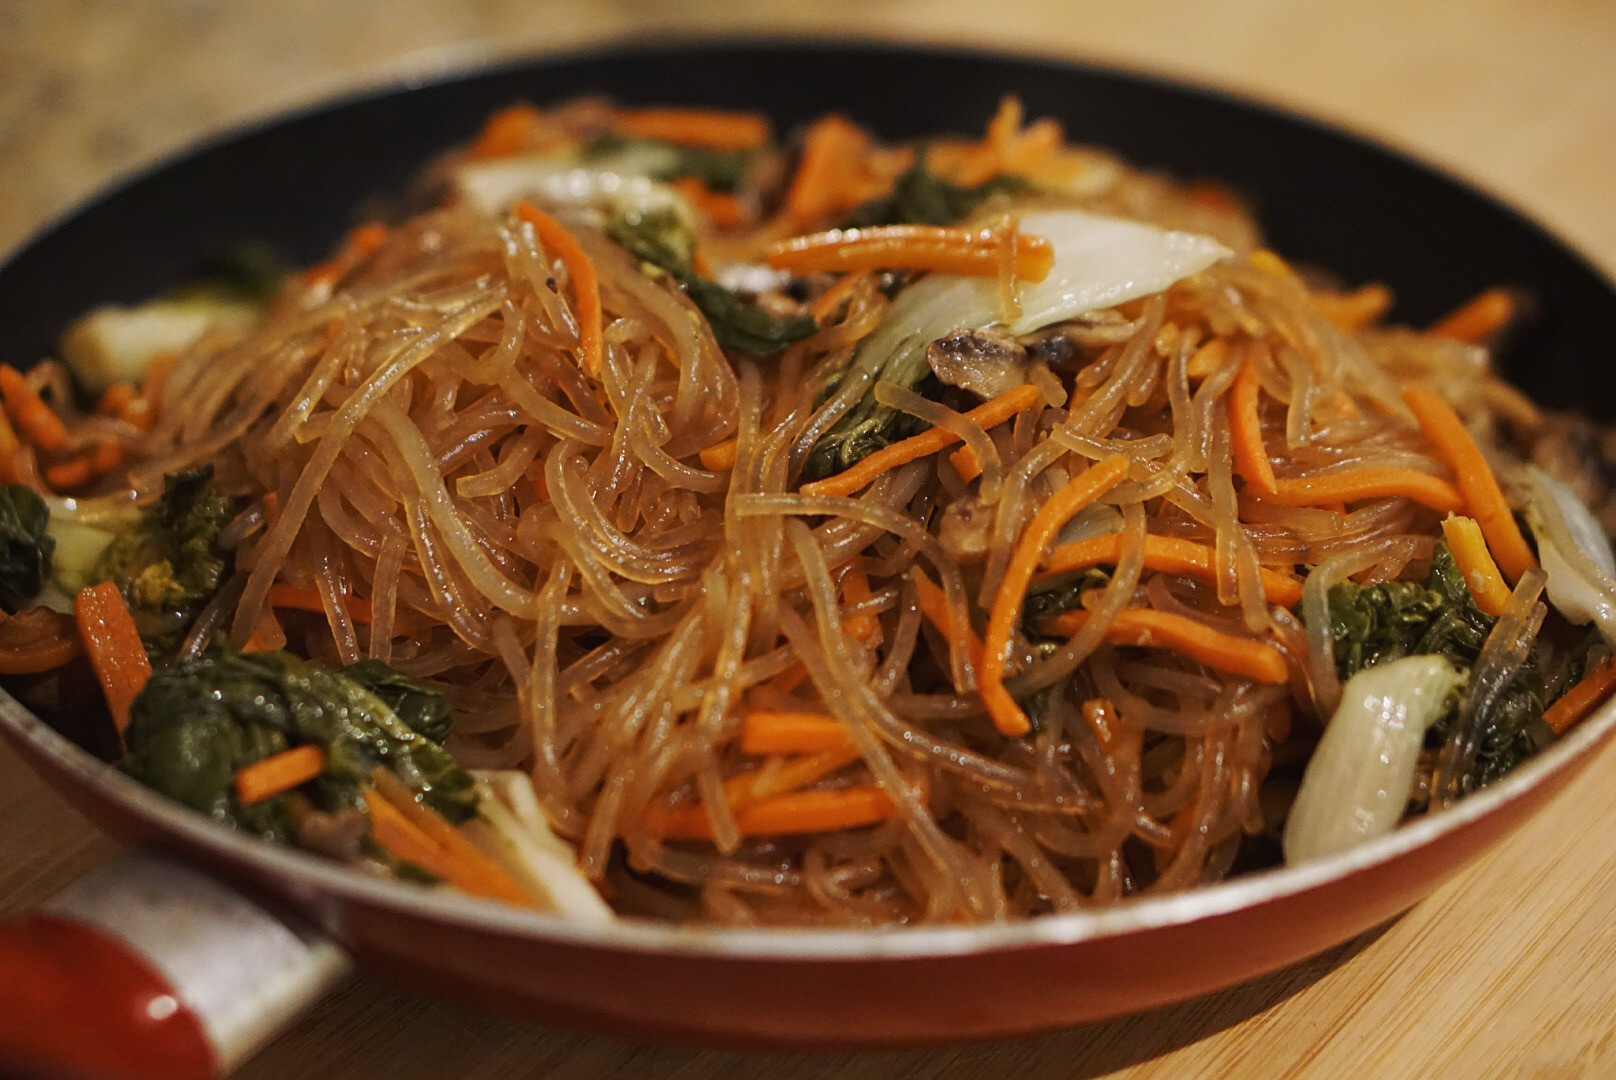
(148, 969)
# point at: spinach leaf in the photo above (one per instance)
(1370, 624)
(659, 238)
(197, 723)
(169, 562)
(720, 170)
(1060, 595)
(25, 546)
(418, 703)
(921, 197)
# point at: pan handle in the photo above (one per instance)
(148, 968)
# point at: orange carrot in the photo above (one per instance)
(1593, 691)
(829, 174)
(1481, 495)
(10, 448)
(827, 303)
(1475, 562)
(114, 647)
(987, 415)
(1165, 554)
(911, 247)
(1207, 359)
(280, 772)
(965, 463)
(585, 285)
(1148, 628)
(307, 598)
(1478, 319)
(117, 399)
(1089, 485)
(798, 813)
(459, 861)
(36, 421)
(719, 457)
(1245, 430)
(361, 244)
(720, 130)
(1270, 263)
(933, 604)
(37, 640)
(775, 731)
(856, 590)
(505, 133)
(1374, 482)
(719, 207)
(1355, 310)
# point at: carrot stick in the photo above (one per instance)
(965, 463)
(361, 244)
(828, 176)
(114, 647)
(1147, 628)
(826, 304)
(1593, 691)
(720, 130)
(911, 247)
(719, 207)
(75, 472)
(307, 598)
(279, 772)
(505, 133)
(1482, 497)
(933, 604)
(774, 731)
(36, 421)
(585, 285)
(1164, 554)
(1207, 359)
(37, 640)
(1355, 310)
(795, 814)
(460, 862)
(10, 448)
(856, 590)
(1245, 430)
(1479, 318)
(989, 414)
(719, 457)
(1376, 482)
(1093, 482)
(1481, 576)
(118, 398)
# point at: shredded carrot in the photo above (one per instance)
(827, 303)
(459, 861)
(1148, 628)
(1478, 319)
(720, 130)
(856, 590)
(1089, 485)
(10, 448)
(1245, 430)
(1593, 691)
(1167, 555)
(989, 414)
(1475, 562)
(912, 247)
(279, 772)
(965, 463)
(1102, 719)
(719, 207)
(1375, 482)
(719, 457)
(798, 813)
(113, 644)
(307, 598)
(1207, 359)
(775, 731)
(1355, 310)
(585, 285)
(116, 400)
(1481, 494)
(36, 421)
(933, 604)
(833, 174)
(1270, 263)
(506, 132)
(360, 245)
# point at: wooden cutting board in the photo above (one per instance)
(1509, 971)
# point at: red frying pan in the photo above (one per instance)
(181, 959)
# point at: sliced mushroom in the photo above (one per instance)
(985, 362)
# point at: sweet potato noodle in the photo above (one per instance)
(686, 649)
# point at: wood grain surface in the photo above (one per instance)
(1509, 971)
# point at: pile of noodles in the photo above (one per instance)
(421, 447)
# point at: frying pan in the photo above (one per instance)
(182, 958)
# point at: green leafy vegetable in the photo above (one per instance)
(25, 546)
(169, 562)
(198, 723)
(1375, 623)
(870, 425)
(249, 274)
(720, 170)
(1060, 595)
(660, 238)
(418, 703)
(921, 197)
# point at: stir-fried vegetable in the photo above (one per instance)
(718, 169)
(26, 546)
(921, 197)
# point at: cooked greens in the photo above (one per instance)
(199, 722)
(168, 563)
(660, 238)
(720, 170)
(921, 197)
(25, 546)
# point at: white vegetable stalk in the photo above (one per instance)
(1575, 553)
(510, 829)
(1357, 783)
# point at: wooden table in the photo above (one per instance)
(1508, 971)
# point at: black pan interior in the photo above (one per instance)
(1325, 197)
